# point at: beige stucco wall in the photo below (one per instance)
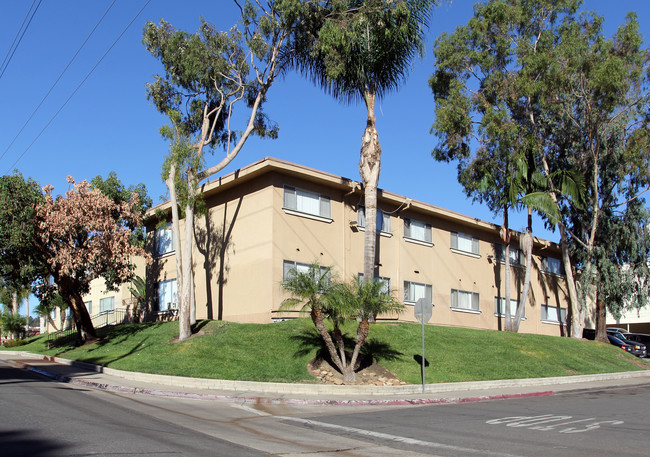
(241, 279)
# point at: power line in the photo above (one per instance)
(7, 59)
(57, 80)
(79, 86)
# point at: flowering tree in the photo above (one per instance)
(83, 235)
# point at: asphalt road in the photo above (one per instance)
(40, 417)
(609, 422)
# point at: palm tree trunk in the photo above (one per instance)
(317, 319)
(362, 335)
(369, 168)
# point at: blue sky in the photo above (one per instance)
(109, 125)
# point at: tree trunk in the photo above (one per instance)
(176, 226)
(362, 335)
(14, 303)
(505, 236)
(184, 318)
(527, 246)
(369, 169)
(69, 292)
(601, 319)
(317, 319)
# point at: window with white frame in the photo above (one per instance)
(413, 291)
(464, 243)
(167, 295)
(500, 307)
(516, 254)
(385, 289)
(106, 304)
(289, 267)
(306, 202)
(89, 306)
(553, 314)
(553, 266)
(416, 230)
(164, 240)
(462, 300)
(383, 219)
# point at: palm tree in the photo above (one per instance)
(361, 50)
(362, 300)
(338, 302)
(310, 289)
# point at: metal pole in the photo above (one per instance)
(423, 379)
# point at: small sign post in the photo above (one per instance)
(423, 312)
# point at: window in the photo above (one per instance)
(167, 295)
(305, 202)
(413, 291)
(553, 266)
(164, 240)
(383, 219)
(416, 230)
(89, 307)
(553, 314)
(386, 283)
(462, 300)
(516, 255)
(107, 304)
(289, 266)
(500, 309)
(464, 243)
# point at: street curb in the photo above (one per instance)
(284, 389)
(278, 401)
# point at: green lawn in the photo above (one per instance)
(280, 352)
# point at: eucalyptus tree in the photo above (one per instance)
(485, 74)
(535, 76)
(208, 76)
(361, 50)
(598, 91)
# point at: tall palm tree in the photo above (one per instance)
(361, 50)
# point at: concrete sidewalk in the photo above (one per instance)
(109, 379)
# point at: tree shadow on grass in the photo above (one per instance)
(373, 351)
(105, 361)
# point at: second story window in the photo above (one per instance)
(383, 219)
(416, 230)
(464, 244)
(307, 203)
(516, 255)
(164, 240)
(553, 266)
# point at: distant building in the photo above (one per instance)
(271, 216)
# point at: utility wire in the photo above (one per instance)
(57, 80)
(79, 86)
(5, 62)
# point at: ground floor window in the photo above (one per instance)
(106, 304)
(385, 289)
(413, 291)
(463, 300)
(500, 307)
(89, 306)
(167, 295)
(553, 314)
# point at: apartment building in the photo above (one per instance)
(268, 217)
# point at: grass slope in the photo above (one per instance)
(280, 352)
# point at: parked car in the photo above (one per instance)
(639, 338)
(616, 330)
(632, 347)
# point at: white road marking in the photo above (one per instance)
(398, 439)
(537, 423)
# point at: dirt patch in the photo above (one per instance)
(368, 374)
